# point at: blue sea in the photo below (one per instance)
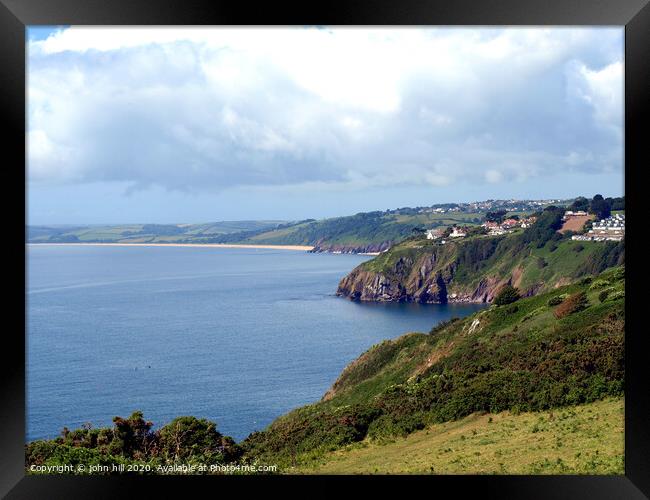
(238, 336)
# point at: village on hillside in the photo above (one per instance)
(586, 225)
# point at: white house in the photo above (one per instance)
(434, 234)
(457, 233)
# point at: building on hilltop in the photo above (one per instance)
(571, 213)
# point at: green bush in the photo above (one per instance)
(602, 296)
(131, 441)
(186, 437)
(599, 283)
(507, 295)
(558, 299)
(620, 294)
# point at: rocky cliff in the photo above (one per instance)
(473, 270)
(323, 246)
(427, 278)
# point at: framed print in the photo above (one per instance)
(348, 242)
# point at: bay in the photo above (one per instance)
(238, 336)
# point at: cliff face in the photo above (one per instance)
(323, 246)
(426, 279)
(475, 268)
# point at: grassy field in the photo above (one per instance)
(585, 439)
(144, 233)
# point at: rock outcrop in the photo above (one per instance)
(323, 246)
(427, 277)
(427, 288)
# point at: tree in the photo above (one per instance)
(131, 435)
(545, 228)
(600, 207)
(187, 437)
(496, 216)
(507, 295)
(616, 203)
(580, 203)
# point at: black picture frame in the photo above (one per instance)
(15, 15)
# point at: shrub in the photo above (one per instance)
(186, 437)
(131, 435)
(443, 324)
(619, 274)
(599, 283)
(507, 295)
(602, 296)
(512, 309)
(533, 313)
(572, 304)
(557, 300)
(620, 294)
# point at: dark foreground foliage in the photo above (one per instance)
(131, 441)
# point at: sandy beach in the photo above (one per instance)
(215, 245)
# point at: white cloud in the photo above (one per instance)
(604, 91)
(493, 176)
(212, 108)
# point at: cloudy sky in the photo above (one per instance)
(204, 124)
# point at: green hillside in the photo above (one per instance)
(143, 233)
(369, 232)
(362, 232)
(552, 350)
(584, 439)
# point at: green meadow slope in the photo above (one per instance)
(144, 233)
(583, 439)
(552, 350)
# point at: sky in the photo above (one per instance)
(197, 124)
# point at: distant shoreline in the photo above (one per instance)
(208, 245)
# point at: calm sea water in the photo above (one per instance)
(238, 336)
